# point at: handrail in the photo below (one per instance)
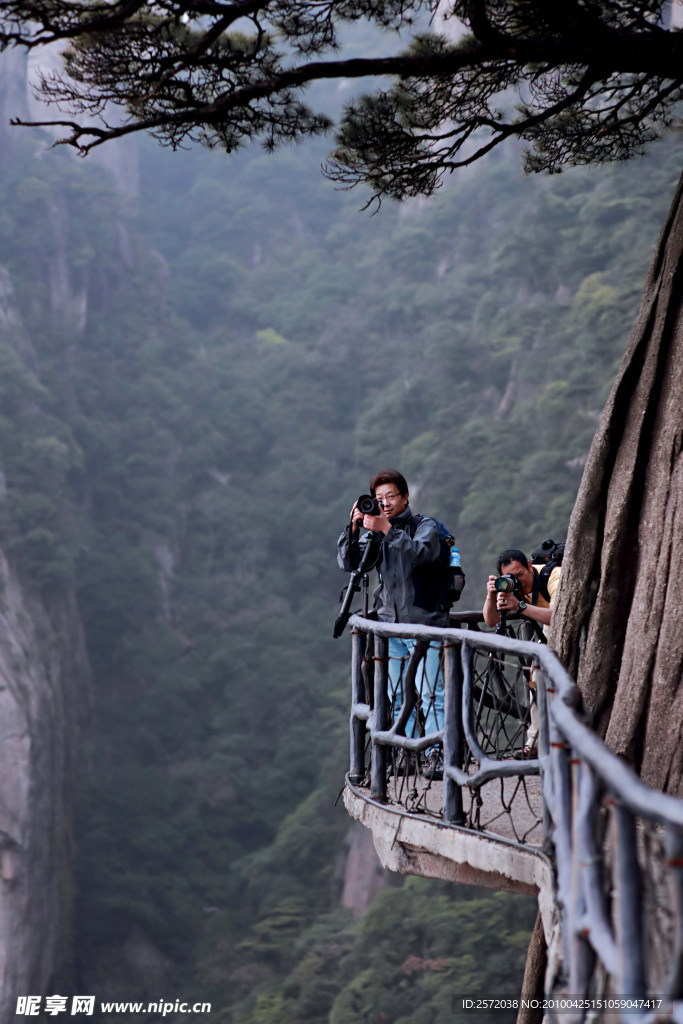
(616, 844)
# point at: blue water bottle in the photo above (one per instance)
(455, 558)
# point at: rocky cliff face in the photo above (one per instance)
(44, 676)
(19, 75)
(44, 698)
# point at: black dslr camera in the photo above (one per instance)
(368, 505)
(509, 584)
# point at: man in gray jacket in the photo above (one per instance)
(410, 549)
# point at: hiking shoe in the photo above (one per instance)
(403, 765)
(433, 769)
(529, 752)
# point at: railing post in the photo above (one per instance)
(629, 905)
(380, 720)
(560, 793)
(357, 731)
(454, 736)
(369, 669)
(674, 837)
(543, 691)
(588, 843)
(581, 953)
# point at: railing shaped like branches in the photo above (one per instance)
(616, 845)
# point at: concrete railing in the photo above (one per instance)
(615, 845)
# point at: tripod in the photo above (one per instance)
(359, 577)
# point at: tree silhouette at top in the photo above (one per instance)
(579, 82)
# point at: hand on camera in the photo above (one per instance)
(507, 603)
(378, 524)
(356, 516)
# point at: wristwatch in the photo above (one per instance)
(522, 605)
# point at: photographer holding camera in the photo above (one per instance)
(526, 599)
(410, 590)
(519, 589)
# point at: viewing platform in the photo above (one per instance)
(570, 823)
(419, 843)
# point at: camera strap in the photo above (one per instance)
(540, 635)
(543, 575)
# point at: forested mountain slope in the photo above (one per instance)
(214, 371)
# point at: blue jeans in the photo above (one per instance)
(428, 682)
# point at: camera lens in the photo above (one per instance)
(368, 505)
(505, 584)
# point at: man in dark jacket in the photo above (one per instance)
(410, 549)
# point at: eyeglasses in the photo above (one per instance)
(387, 497)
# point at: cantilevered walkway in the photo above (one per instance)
(571, 823)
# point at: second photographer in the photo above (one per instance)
(527, 599)
(528, 590)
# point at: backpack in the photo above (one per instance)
(438, 584)
(549, 554)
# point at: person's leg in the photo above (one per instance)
(531, 742)
(399, 652)
(432, 689)
(433, 707)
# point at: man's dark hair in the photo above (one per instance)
(511, 555)
(389, 476)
